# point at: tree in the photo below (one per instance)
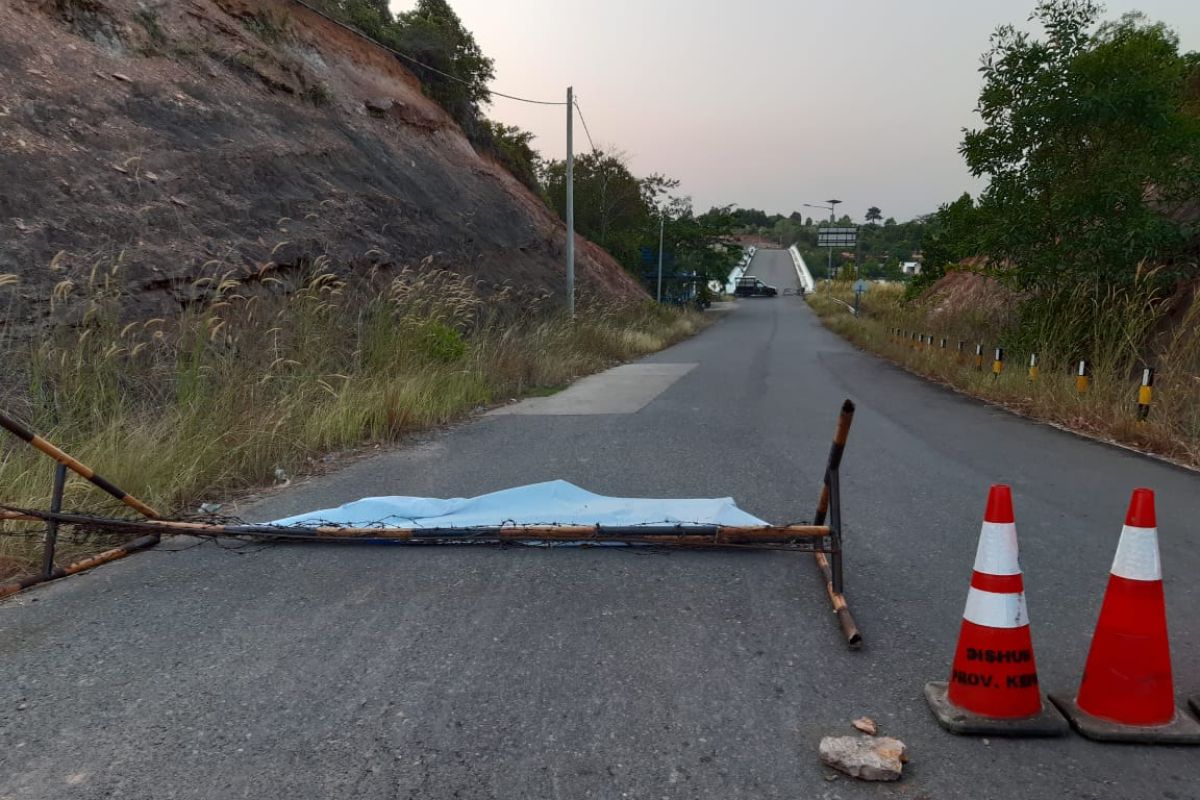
(613, 207)
(433, 35)
(874, 214)
(952, 235)
(450, 65)
(513, 148)
(380, 7)
(1080, 130)
(621, 212)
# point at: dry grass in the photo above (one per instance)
(1120, 337)
(269, 372)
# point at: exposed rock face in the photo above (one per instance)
(180, 139)
(871, 758)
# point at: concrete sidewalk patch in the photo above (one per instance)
(622, 390)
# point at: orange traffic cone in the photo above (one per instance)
(993, 687)
(1127, 693)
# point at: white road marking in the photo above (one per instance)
(622, 390)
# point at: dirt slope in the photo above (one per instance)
(181, 138)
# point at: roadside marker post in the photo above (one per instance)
(1145, 394)
(1082, 378)
(1033, 368)
(962, 350)
(943, 342)
(979, 357)
(998, 363)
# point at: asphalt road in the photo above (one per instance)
(377, 672)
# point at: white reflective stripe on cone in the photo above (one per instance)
(995, 610)
(1137, 555)
(997, 551)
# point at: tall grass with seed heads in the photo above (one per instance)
(1117, 330)
(275, 367)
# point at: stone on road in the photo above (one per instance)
(866, 725)
(869, 758)
(388, 672)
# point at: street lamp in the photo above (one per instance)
(831, 205)
(662, 223)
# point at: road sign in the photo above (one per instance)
(837, 237)
(861, 286)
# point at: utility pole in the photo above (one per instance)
(832, 222)
(832, 205)
(570, 201)
(662, 217)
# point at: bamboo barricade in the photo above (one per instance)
(823, 540)
(799, 537)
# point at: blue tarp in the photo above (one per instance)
(550, 503)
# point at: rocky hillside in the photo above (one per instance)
(165, 141)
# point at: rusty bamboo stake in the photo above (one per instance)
(141, 543)
(699, 535)
(837, 599)
(78, 467)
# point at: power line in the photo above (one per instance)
(422, 65)
(585, 126)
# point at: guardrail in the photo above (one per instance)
(802, 274)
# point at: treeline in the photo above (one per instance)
(1090, 145)
(624, 214)
(882, 246)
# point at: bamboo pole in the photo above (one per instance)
(837, 599)
(12, 587)
(676, 534)
(76, 466)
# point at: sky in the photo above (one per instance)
(765, 103)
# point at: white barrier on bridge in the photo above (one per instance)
(802, 274)
(741, 269)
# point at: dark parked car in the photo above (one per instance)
(750, 286)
